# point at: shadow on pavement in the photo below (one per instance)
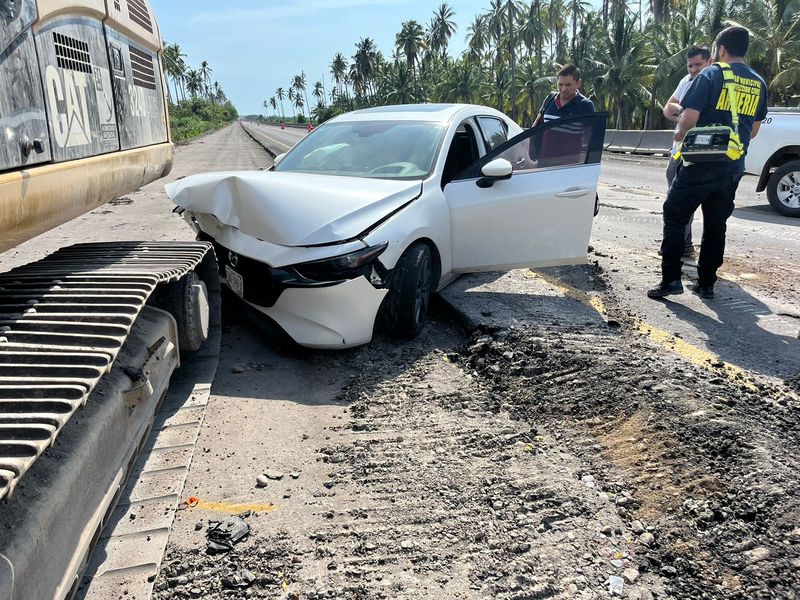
(258, 360)
(764, 213)
(737, 336)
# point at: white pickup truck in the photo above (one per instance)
(774, 157)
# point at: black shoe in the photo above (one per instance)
(704, 291)
(688, 252)
(673, 288)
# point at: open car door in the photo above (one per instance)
(539, 216)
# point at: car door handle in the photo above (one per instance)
(573, 193)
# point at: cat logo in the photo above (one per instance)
(69, 107)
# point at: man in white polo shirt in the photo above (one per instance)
(697, 59)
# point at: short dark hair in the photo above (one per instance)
(570, 71)
(698, 51)
(735, 39)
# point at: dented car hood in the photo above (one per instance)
(293, 209)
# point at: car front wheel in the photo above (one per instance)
(783, 189)
(410, 290)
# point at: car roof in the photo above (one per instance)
(435, 113)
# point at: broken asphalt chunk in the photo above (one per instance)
(222, 535)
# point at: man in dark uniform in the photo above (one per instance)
(710, 185)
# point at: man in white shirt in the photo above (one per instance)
(697, 59)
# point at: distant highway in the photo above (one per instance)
(274, 138)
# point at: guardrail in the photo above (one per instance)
(655, 141)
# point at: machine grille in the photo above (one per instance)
(144, 74)
(137, 10)
(72, 54)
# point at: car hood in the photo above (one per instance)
(293, 209)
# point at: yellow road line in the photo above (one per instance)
(194, 502)
(698, 356)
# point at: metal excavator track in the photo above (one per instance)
(63, 320)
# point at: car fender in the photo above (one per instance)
(427, 218)
(779, 157)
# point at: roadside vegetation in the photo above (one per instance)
(632, 55)
(196, 105)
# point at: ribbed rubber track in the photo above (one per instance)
(63, 320)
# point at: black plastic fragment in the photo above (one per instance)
(222, 535)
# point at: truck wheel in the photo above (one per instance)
(783, 189)
(406, 306)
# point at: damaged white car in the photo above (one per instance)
(376, 209)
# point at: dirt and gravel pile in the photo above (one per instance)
(253, 569)
(709, 463)
(536, 461)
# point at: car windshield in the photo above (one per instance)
(377, 149)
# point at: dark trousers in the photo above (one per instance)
(672, 170)
(711, 186)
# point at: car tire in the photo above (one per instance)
(410, 287)
(786, 178)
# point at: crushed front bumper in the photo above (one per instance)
(331, 317)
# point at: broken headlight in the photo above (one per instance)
(346, 266)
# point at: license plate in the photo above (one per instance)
(235, 281)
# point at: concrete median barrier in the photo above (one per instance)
(655, 142)
(625, 141)
(609, 138)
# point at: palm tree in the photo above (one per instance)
(463, 83)
(280, 94)
(629, 61)
(620, 61)
(217, 95)
(303, 82)
(578, 11)
(205, 74)
(174, 65)
(660, 10)
(339, 71)
(411, 40)
(397, 85)
(194, 82)
(504, 18)
(299, 85)
(365, 63)
(533, 88)
(534, 32)
(298, 103)
(478, 37)
(557, 22)
(273, 103)
(319, 93)
(441, 29)
(775, 41)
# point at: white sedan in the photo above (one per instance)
(376, 209)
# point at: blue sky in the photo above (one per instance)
(254, 47)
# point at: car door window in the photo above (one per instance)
(494, 131)
(462, 153)
(559, 143)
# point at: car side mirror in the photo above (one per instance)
(493, 171)
(278, 158)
